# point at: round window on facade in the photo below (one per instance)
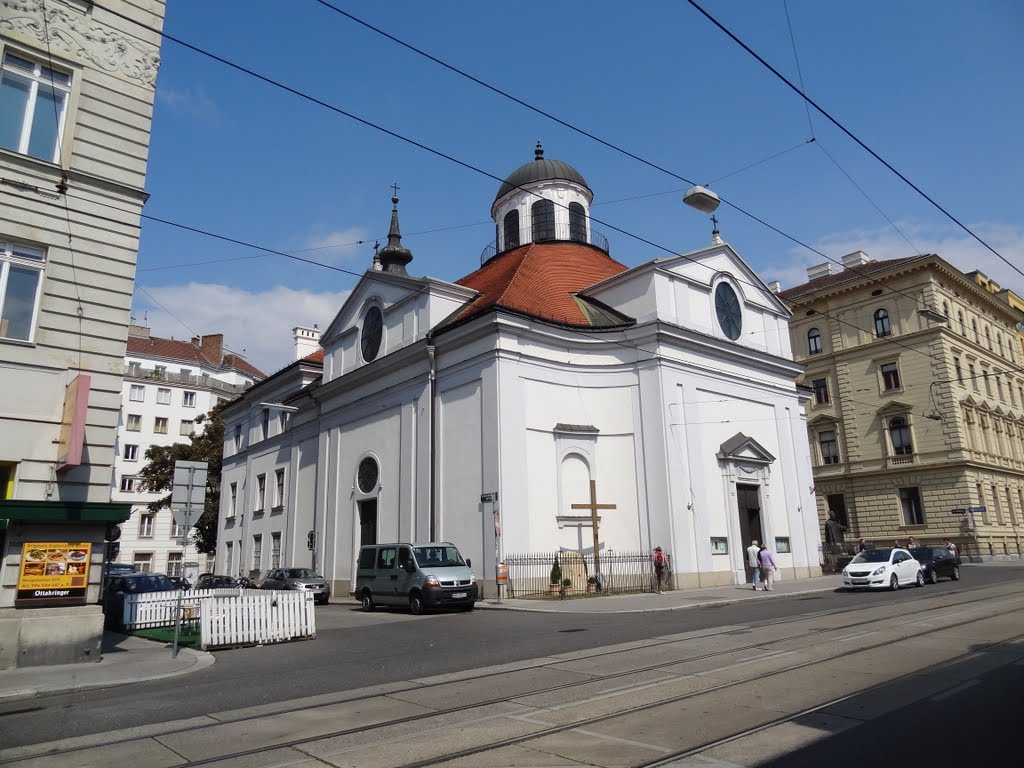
(368, 474)
(727, 307)
(371, 333)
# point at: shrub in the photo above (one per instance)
(556, 572)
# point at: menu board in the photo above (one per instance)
(53, 573)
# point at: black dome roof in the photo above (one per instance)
(540, 169)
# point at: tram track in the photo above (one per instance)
(591, 679)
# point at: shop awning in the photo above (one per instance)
(64, 511)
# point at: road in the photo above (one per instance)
(680, 653)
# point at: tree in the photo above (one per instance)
(158, 474)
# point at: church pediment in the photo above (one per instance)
(740, 448)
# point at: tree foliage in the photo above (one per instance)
(158, 474)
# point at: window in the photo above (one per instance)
(974, 330)
(131, 453)
(257, 551)
(543, 213)
(973, 377)
(261, 492)
(163, 396)
(577, 223)
(187, 427)
(719, 545)
(21, 277)
(910, 500)
(160, 372)
(963, 326)
(137, 393)
(186, 374)
(899, 433)
(146, 520)
(988, 382)
(510, 225)
(129, 483)
(33, 104)
(988, 337)
(890, 376)
(275, 550)
(265, 424)
(782, 545)
(174, 564)
(820, 391)
(999, 344)
(959, 370)
(134, 423)
(160, 425)
(229, 556)
(814, 341)
(829, 448)
(233, 500)
(177, 531)
(143, 562)
(238, 436)
(882, 327)
(279, 488)
(188, 399)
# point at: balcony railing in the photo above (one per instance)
(555, 233)
(185, 379)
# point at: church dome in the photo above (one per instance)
(540, 169)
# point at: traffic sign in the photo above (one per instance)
(959, 511)
(488, 497)
(977, 510)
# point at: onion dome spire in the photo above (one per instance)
(393, 257)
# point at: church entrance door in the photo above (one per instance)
(748, 503)
(367, 522)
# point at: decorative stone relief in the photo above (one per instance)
(74, 35)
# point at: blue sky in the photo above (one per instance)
(932, 86)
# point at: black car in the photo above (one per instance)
(180, 582)
(936, 562)
(217, 581)
(130, 584)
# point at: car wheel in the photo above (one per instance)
(415, 604)
(367, 601)
(469, 607)
(920, 579)
(933, 576)
(956, 573)
(894, 583)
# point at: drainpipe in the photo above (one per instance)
(433, 438)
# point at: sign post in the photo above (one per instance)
(188, 494)
(492, 499)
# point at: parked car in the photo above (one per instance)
(883, 569)
(180, 582)
(300, 579)
(936, 562)
(217, 581)
(117, 569)
(422, 576)
(130, 584)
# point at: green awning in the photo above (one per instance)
(65, 511)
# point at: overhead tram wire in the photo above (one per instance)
(850, 134)
(460, 163)
(603, 142)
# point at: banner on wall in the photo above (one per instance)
(53, 573)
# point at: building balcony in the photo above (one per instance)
(902, 460)
(555, 233)
(137, 373)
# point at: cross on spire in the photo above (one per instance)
(394, 189)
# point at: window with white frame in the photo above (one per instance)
(134, 423)
(187, 427)
(146, 524)
(143, 562)
(188, 399)
(177, 531)
(131, 452)
(279, 488)
(33, 106)
(229, 553)
(275, 550)
(238, 436)
(134, 368)
(21, 280)
(261, 492)
(129, 483)
(163, 396)
(137, 393)
(174, 564)
(257, 551)
(233, 499)
(160, 425)
(265, 424)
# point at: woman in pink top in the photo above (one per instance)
(767, 567)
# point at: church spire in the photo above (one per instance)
(393, 257)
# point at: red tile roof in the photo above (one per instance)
(846, 275)
(315, 357)
(187, 352)
(539, 279)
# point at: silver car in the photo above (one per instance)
(299, 579)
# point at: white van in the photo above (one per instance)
(422, 576)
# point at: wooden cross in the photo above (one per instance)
(593, 506)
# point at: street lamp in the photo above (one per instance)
(280, 407)
(701, 198)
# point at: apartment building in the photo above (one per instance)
(168, 385)
(916, 423)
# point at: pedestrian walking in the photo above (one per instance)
(952, 549)
(767, 563)
(661, 569)
(754, 563)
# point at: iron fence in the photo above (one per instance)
(533, 574)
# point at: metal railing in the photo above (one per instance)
(530, 574)
(551, 234)
(200, 382)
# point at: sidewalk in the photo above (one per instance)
(128, 659)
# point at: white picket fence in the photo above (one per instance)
(256, 617)
(227, 616)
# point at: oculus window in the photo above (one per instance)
(371, 334)
(367, 475)
(727, 307)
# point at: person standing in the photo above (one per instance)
(912, 542)
(754, 563)
(861, 546)
(951, 548)
(661, 569)
(767, 563)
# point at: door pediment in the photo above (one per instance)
(741, 449)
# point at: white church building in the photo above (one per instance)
(481, 411)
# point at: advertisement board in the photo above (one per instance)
(53, 573)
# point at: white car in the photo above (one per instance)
(883, 569)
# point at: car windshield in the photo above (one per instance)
(300, 573)
(923, 553)
(438, 556)
(872, 556)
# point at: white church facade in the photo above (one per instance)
(494, 410)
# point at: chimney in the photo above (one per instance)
(138, 331)
(855, 259)
(819, 270)
(775, 286)
(211, 347)
(307, 340)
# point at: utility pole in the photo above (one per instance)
(188, 491)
